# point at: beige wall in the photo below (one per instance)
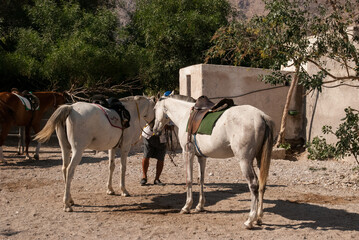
(327, 107)
(243, 85)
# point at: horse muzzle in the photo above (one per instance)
(157, 128)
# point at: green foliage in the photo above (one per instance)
(347, 135)
(281, 38)
(235, 44)
(66, 45)
(171, 34)
(286, 146)
(319, 149)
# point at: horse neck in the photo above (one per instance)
(46, 100)
(178, 111)
(137, 108)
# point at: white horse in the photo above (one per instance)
(83, 126)
(241, 131)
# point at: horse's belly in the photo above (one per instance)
(219, 153)
(104, 142)
(213, 147)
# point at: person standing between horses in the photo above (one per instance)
(154, 146)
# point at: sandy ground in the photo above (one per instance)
(305, 199)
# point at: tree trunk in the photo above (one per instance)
(293, 84)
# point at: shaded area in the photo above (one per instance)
(306, 215)
(312, 216)
(9, 233)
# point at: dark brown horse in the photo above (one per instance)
(13, 113)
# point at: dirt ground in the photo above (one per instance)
(305, 199)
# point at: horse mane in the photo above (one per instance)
(182, 98)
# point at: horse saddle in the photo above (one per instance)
(200, 109)
(114, 104)
(30, 101)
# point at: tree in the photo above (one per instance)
(294, 32)
(64, 45)
(171, 34)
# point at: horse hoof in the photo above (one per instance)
(184, 212)
(36, 157)
(199, 210)
(110, 192)
(125, 194)
(259, 222)
(68, 209)
(248, 225)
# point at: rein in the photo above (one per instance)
(139, 124)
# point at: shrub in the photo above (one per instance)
(320, 149)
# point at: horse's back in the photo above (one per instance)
(12, 109)
(89, 126)
(239, 127)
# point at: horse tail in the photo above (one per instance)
(58, 117)
(265, 159)
(266, 153)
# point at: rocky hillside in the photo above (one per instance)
(247, 8)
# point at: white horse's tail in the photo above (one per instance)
(265, 158)
(58, 117)
(266, 153)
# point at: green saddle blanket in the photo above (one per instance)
(208, 122)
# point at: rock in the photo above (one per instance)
(278, 153)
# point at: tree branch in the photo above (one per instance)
(335, 78)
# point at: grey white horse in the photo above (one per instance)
(83, 126)
(242, 131)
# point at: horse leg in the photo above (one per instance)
(65, 152)
(123, 166)
(5, 128)
(37, 151)
(27, 142)
(188, 159)
(112, 164)
(20, 150)
(70, 171)
(250, 175)
(36, 156)
(202, 199)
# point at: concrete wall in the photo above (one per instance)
(327, 107)
(243, 85)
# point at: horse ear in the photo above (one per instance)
(158, 95)
(153, 98)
